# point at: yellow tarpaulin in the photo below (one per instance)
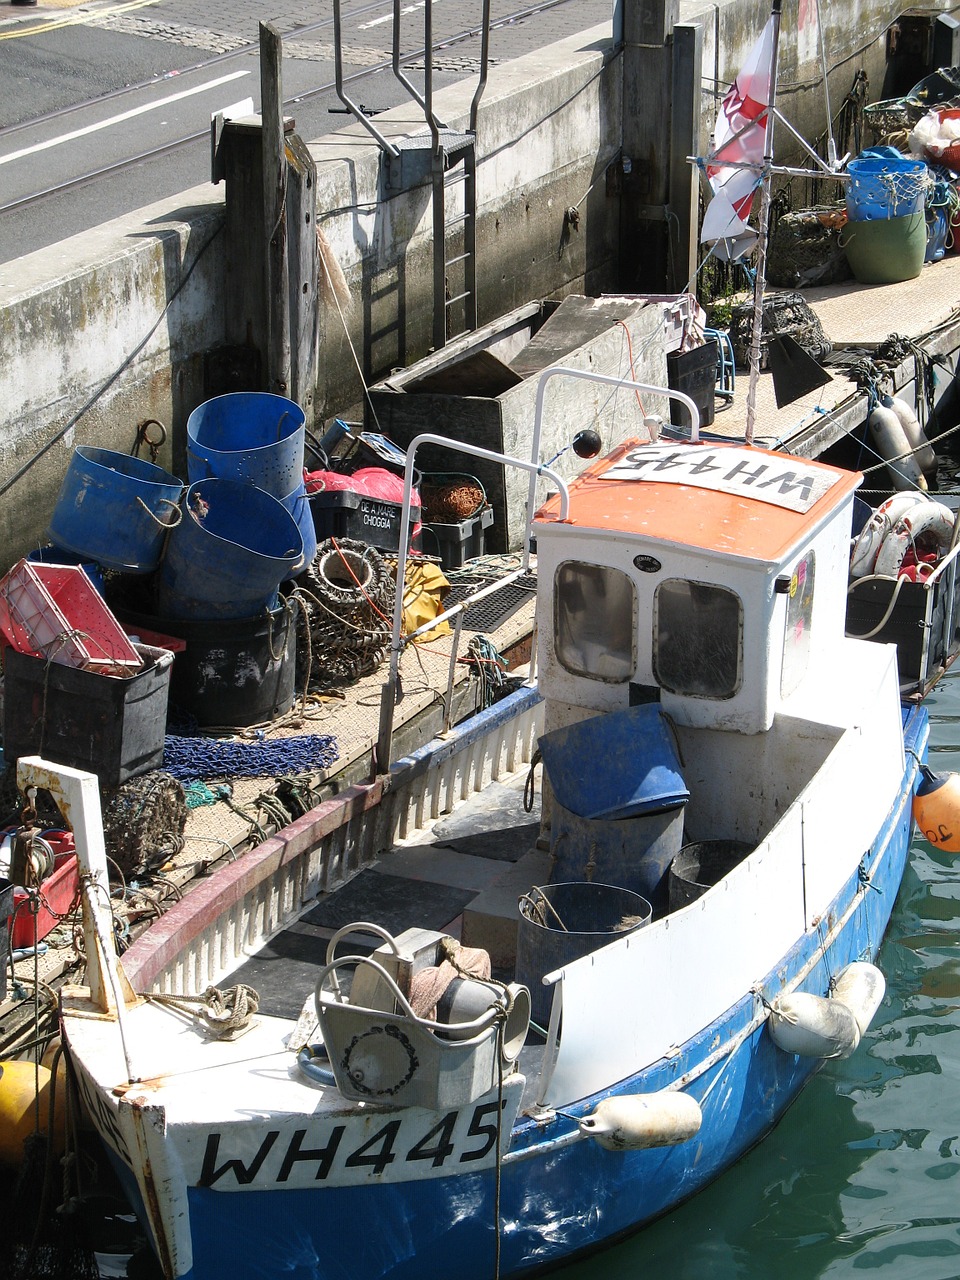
(423, 598)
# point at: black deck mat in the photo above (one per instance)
(509, 844)
(394, 902)
(494, 610)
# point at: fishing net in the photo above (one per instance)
(451, 501)
(892, 116)
(805, 248)
(783, 313)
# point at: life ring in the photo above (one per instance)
(930, 524)
(867, 544)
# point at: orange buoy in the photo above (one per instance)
(19, 1084)
(936, 809)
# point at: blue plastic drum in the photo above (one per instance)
(247, 435)
(115, 510)
(230, 552)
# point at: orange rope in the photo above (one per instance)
(633, 375)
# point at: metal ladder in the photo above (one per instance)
(449, 158)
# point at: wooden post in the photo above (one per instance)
(685, 141)
(244, 298)
(647, 31)
(276, 281)
(302, 260)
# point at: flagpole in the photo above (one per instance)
(760, 278)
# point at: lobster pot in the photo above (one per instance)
(115, 510)
(635, 853)
(250, 436)
(230, 552)
(560, 923)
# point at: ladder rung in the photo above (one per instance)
(457, 297)
(450, 177)
(452, 262)
(459, 221)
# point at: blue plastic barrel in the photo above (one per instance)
(247, 435)
(638, 771)
(885, 184)
(114, 509)
(298, 504)
(230, 552)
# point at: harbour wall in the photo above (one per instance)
(111, 328)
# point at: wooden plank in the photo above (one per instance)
(577, 320)
(302, 263)
(277, 285)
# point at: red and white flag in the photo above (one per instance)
(744, 108)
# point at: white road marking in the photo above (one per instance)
(388, 17)
(126, 115)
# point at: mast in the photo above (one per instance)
(759, 282)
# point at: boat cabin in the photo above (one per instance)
(711, 578)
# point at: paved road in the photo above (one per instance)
(83, 90)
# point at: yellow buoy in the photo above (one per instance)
(19, 1082)
(936, 809)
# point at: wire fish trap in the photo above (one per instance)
(786, 314)
(348, 596)
(805, 248)
(893, 115)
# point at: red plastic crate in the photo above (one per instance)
(53, 611)
(58, 893)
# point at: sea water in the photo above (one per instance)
(862, 1176)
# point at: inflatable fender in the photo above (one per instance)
(892, 443)
(930, 521)
(813, 1026)
(637, 1121)
(916, 438)
(861, 986)
(866, 546)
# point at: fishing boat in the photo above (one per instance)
(512, 1092)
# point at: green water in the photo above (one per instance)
(862, 1176)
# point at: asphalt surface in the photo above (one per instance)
(96, 98)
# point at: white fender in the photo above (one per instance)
(813, 1026)
(861, 987)
(928, 523)
(916, 438)
(891, 442)
(867, 544)
(636, 1121)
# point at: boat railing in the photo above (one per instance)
(536, 469)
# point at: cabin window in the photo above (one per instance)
(594, 612)
(698, 638)
(796, 637)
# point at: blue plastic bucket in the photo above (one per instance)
(247, 435)
(230, 552)
(298, 504)
(114, 509)
(617, 765)
(885, 184)
(57, 555)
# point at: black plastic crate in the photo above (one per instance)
(695, 374)
(458, 542)
(344, 514)
(108, 725)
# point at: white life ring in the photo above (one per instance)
(930, 522)
(867, 544)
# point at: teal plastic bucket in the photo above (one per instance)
(887, 251)
(115, 510)
(885, 184)
(247, 435)
(230, 552)
(298, 504)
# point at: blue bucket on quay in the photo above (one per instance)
(298, 504)
(230, 552)
(884, 183)
(115, 510)
(248, 435)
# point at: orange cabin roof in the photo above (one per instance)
(726, 498)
